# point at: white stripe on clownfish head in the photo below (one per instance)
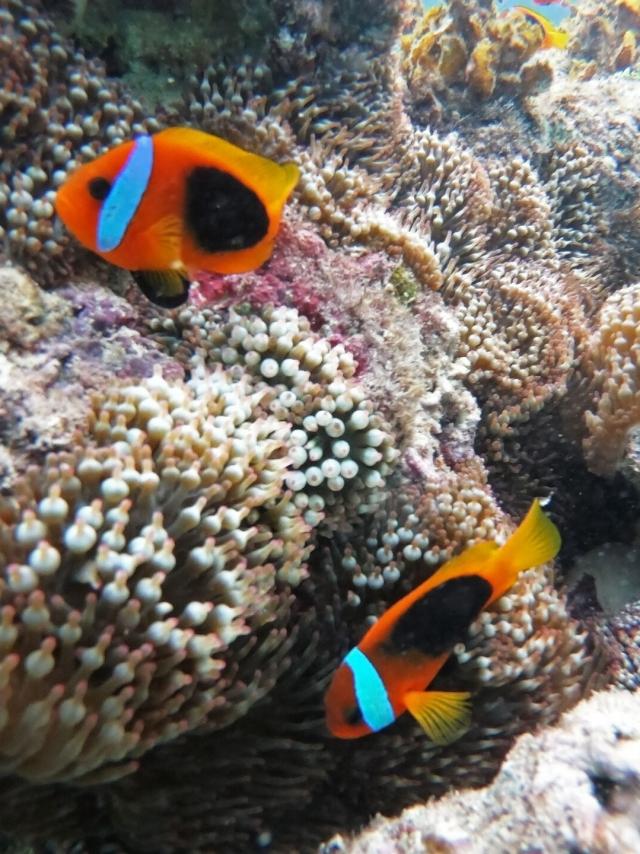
(370, 692)
(125, 195)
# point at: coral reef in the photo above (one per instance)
(622, 633)
(155, 46)
(572, 787)
(509, 661)
(410, 367)
(56, 349)
(604, 37)
(303, 785)
(592, 128)
(462, 52)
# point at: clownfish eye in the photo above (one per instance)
(99, 188)
(353, 716)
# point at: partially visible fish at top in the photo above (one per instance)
(391, 668)
(552, 3)
(168, 205)
(556, 11)
(552, 36)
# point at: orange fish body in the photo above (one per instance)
(176, 202)
(387, 673)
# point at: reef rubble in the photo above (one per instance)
(574, 786)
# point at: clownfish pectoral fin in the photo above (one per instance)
(443, 715)
(166, 288)
(166, 233)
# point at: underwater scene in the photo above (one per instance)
(319, 426)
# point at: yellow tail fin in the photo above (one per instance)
(535, 541)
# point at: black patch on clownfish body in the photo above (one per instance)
(221, 213)
(166, 288)
(440, 620)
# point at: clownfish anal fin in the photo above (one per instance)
(166, 288)
(443, 715)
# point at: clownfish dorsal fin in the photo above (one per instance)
(472, 558)
(443, 715)
(272, 181)
(166, 288)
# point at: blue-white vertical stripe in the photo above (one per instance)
(370, 692)
(125, 195)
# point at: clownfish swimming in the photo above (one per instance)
(552, 36)
(387, 673)
(178, 201)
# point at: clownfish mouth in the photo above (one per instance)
(69, 211)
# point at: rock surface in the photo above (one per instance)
(573, 787)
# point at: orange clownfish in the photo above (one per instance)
(396, 660)
(178, 201)
(552, 36)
